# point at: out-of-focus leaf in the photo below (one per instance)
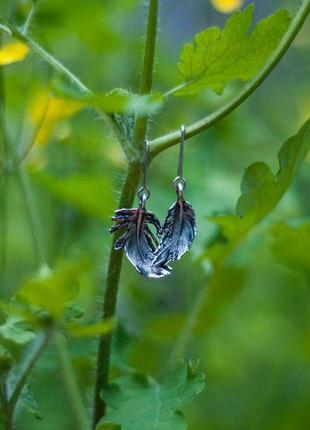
(261, 191)
(90, 195)
(30, 403)
(227, 6)
(137, 400)
(116, 101)
(51, 290)
(13, 53)
(16, 330)
(290, 246)
(234, 53)
(91, 330)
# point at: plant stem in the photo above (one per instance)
(110, 296)
(160, 144)
(70, 381)
(59, 67)
(33, 216)
(30, 16)
(129, 190)
(38, 347)
(147, 72)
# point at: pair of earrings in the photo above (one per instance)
(148, 256)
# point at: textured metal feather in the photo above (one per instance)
(138, 241)
(179, 231)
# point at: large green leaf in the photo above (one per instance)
(52, 291)
(234, 53)
(261, 192)
(138, 401)
(116, 101)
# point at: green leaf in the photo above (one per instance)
(116, 101)
(88, 194)
(52, 291)
(138, 401)
(91, 330)
(234, 53)
(290, 246)
(16, 330)
(261, 192)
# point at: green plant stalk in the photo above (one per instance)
(128, 193)
(160, 144)
(59, 67)
(110, 296)
(70, 381)
(38, 347)
(147, 73)
(35, 223)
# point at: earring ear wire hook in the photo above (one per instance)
(179, 181)
(144, 192)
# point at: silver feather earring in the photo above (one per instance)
(179, 227)
(138, 240)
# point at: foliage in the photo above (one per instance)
(238, 300)
(145, 400)
(218, 57)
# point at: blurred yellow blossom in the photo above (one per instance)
(46, 112)
(13, 53)
(227, 6)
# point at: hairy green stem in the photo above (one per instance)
(147, 72)
(59, 67)
(110, 296)
(70, 381)
(160, 144)
(38, 347)
(128, 193)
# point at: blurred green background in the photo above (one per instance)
(254, 343)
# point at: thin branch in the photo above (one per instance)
(70, 381)
(37, 349)
(28, 22)
(59, 67)
(127, 198)
(160, 144)
(147, 72)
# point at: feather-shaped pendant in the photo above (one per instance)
(138, 241)
(179, 231)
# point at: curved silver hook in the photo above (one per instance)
(179, 181)
(144, 192)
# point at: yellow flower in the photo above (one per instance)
(48, 112)
(227, 6)
(13, 53)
